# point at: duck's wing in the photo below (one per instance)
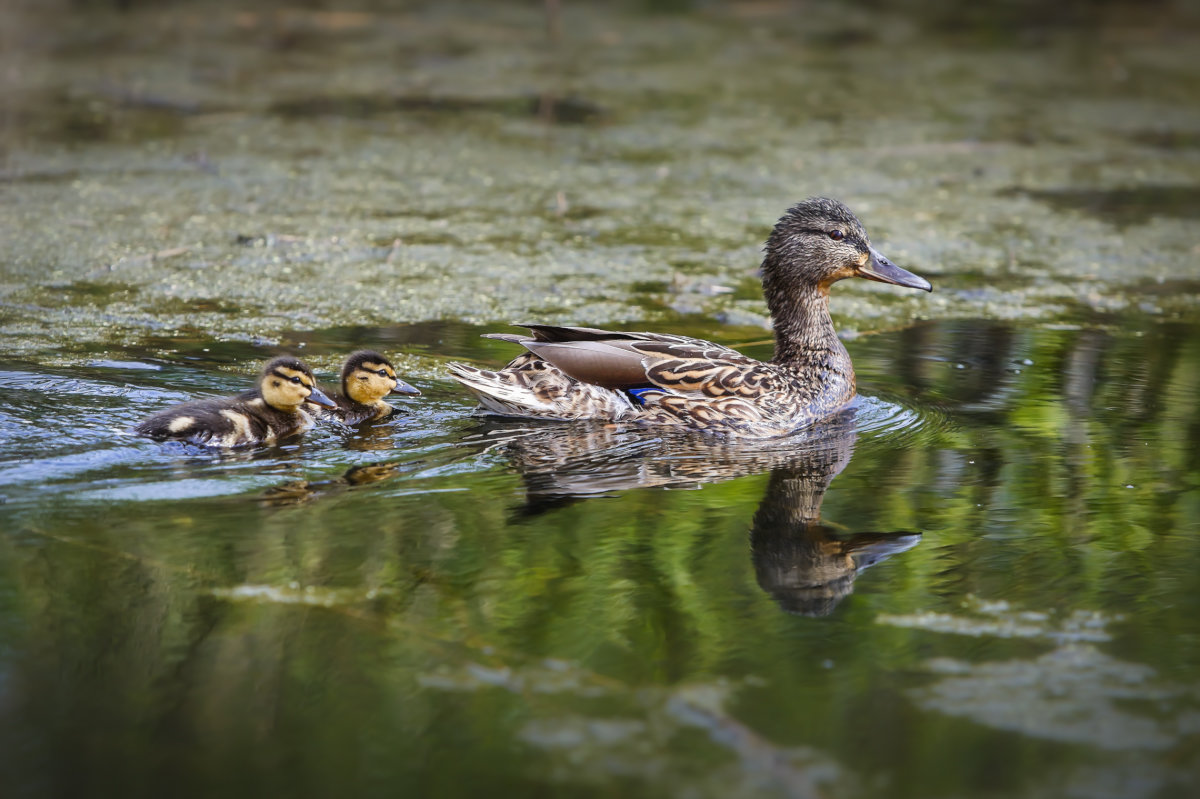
(623, 360)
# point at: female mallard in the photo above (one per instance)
(367, 377)
(272, 411)
(657, 378)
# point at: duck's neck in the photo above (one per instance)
(805, 341)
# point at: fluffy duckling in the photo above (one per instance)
(272, 411)
(367, 377)
(662, 379)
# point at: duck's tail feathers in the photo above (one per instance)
(515, 338)
(497, 392)
(540, 390)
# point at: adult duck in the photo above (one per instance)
(573, 373)
(272, 411)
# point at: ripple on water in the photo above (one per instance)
(68, 436)
(895, 424)
(134, 365)
(69, 433)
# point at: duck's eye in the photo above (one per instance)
(383, 373)
(296, 380)
(837, 235)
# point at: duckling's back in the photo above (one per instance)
(238, 421)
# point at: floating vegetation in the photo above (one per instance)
(593, 749)
(1073, 694)
(997, 619)
(295, 595)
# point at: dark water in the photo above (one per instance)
(982, 580)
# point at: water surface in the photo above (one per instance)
(982, 577)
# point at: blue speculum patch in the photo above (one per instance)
(639, 394)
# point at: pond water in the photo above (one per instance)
(984, 577)
(981, 580)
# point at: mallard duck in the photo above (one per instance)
(367, 377)
(657, 378)
(266, 414)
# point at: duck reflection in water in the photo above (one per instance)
(806, 566)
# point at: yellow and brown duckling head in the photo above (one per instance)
(368, 377)
(287, 383)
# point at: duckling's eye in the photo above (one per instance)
(382, 373)
(295, 380)
(837, 235)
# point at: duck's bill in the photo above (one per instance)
(405, 388)
(879, 268)
(318, 397)
(870, 548)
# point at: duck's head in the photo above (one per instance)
(819, 242)
(287, 383)
(368, 377)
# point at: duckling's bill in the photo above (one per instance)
(405, 388)
(320, 399)
(877, 267)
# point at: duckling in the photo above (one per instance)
(266, 414)
(662, 379)
(367, 377)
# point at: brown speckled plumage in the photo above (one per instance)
(575, 373)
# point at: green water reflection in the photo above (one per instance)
(448, 606)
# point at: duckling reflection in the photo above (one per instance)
(368, 438)
(803, 564)
(295, 492)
